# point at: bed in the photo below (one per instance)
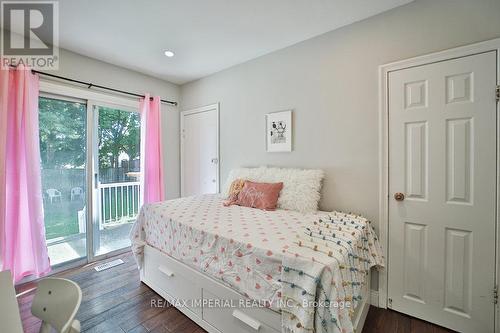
(238, 269)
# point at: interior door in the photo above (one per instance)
(200, 151)
(442, 183)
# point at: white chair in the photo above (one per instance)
(53, 194)
(56, 302)
(76, 192)
(9, 315)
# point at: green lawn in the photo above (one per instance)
(61, 218)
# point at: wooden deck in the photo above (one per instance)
(116, 301)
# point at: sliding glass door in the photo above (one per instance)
(63, 137)
(90, 157)
(117, 172)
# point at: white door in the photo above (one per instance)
(200, 151)
(442, 158)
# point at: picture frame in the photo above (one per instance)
(279, 131)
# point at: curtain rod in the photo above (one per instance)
(90, 85)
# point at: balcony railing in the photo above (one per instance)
(120, 203)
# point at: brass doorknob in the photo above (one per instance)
(398, 196)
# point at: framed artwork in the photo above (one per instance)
(279, 131)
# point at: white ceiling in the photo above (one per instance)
(206, 35)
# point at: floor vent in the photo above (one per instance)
(108, 264)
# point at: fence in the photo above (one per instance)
(64, 179)
(120, 202)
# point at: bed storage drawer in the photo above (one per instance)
(236, 319)
(172, 277)
(176, 281)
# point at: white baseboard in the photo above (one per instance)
(374, 298)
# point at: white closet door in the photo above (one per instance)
(442, 158)
(200, 151)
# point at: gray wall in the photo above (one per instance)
(331, 83)
(79, 67)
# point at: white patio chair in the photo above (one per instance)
(76, 192)
(53, 194)
(56, 302)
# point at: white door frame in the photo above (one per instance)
(384, 70)
(184, 113)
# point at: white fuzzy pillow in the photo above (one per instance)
(301, 187)
(253, 174)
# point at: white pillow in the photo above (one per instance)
(253, 174)
(301, 187)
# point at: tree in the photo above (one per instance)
(62, 133)
(119, 132)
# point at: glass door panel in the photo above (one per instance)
(117, 167)
(63, 167)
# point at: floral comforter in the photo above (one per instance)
(257, 253)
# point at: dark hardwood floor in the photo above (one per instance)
(115, 300)
(385, 321)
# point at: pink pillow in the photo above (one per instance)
(259, 195)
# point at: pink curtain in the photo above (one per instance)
(23, 250)
(153, 185)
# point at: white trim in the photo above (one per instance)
(374, 298)
(61, 89)
(202, 109)
(66, 98)
(184, 113)
(384, 70)
(92, 191)
(361, 311)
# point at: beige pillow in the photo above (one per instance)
(234, 190)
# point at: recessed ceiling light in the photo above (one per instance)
(169, 54)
